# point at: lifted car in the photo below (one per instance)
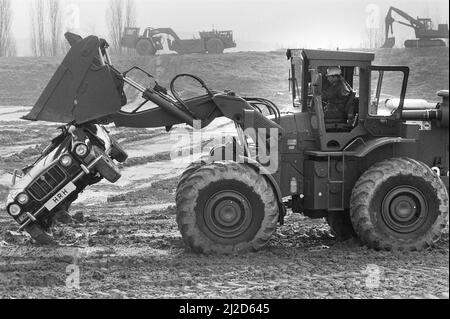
(78, 157)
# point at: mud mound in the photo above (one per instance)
(429, 69)
(159, 192)
(4, 190)
(134, 161)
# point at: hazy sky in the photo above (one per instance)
(257, 24)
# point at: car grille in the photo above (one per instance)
(46, 183)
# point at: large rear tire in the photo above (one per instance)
(145, 47)
(399, 204)
(214, 46)
(226, 208)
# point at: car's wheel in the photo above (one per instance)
(40, 235)
(106, 167)
(226, 207)
(117, 152)
(145, 47)
(341, 225)
(399, 204)
(214, 46)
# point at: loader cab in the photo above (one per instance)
(373, 106)
(130, 37)
(426, 23)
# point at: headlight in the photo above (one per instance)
(23, 198)
(66, 160)
(14, 210)
(81, 150)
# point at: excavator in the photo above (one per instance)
(425, 34)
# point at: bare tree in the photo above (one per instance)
(114, 17)
(7, 43)
(46, 27)
(55, 26)
(130, 13)
(373, 38)
(39, 45)
(120, 14)
(130, 19)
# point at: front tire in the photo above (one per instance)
(399, 204)
(214, 46)
(144, 47)
(191, 169)
(225, 208)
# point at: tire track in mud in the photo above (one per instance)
(141, 254)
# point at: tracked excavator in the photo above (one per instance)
(425, 34)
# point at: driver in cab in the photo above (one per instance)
(336, 94)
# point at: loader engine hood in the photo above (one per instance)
(82, 89)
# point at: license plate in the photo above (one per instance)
(60, 196)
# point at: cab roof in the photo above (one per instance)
(331, 55)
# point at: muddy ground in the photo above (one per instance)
(124, 240)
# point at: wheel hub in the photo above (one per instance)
(404, 209)
(228, 214)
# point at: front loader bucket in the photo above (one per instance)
(389, 43)
(82, 89)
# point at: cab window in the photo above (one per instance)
(387, 88)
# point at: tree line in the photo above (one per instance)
(47, 26)
(7, 44)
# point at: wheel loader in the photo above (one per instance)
(379, 173)
(211, 42)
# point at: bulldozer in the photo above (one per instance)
(425, 34)
(380, 174)
(212, 42)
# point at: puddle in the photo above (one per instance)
(13, 113)
(133, 178)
